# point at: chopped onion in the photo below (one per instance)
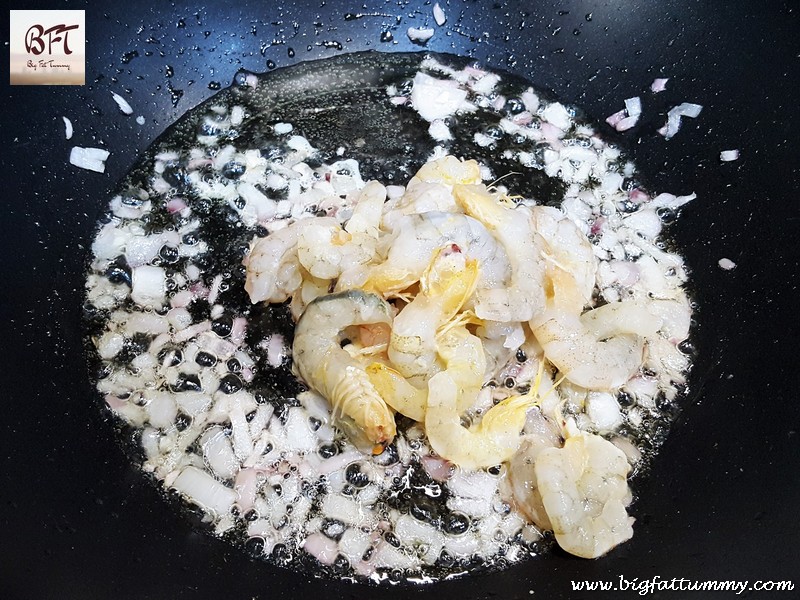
(92, 159)
(420, 35)
(628, 117)
(140, 120)
(275, 350)
(67, 128)
(727, 264)
(673, 124)
(175, 205)
(659, 84)
(615, 118)
(324, 549)
(728, 155)
(627, 123)
(202, 489)
(436, 98)
(633, 106)
(298, 432)
(149, 285)
(161, 409)
(603, 410)
(122, 103)
(246, 487)
(438, 15)
(557, 114)
(218, 453)
(438, 468)
(341, 508)
(439, 131)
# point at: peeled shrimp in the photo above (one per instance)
(540, 433)
(493, 441)
(599, 350)
(444, 288)
(331, 371)
(448, 170)
(463, 358)
(524, 296)
(431, 189)
(273, 268)
(397, 391)
(414, 238)
(570, 263)
(585, 493)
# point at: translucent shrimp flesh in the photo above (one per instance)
(408, 247)
(523, 298)
(274, 271)
(462, 355)
(444, 288)
(491, 442)
(599, 350)
(584, 491)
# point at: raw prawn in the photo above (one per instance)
(540, 433)
(570, 263)
(463, 358)
(523, 298)
(328, 369)
(585, 493)
(445, 286)
(431, 189)
(493, 441)
(273, 268)
(599, 350)
(413, 239)
(448, 170)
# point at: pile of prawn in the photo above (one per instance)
(423, 294)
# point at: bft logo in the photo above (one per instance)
(47, 47)
(34, 38)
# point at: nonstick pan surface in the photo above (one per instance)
(719, 501)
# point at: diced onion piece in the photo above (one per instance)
(321, 547)
(673, 124)
(728, 155)
(633, 106)
(659, 84)
(727, 264)
(202, 489)
(67, 128)
(615, 118)
(122, 103)
(149, 285)
(627, 123)
(420, 35)
(687, 109)
(438, 15)
(298, 431)
(558, 115)
(436, 98)
(603, 410)
(623, 120)
(439, 131)
(92, 159)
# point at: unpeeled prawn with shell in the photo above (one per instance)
(331, 371)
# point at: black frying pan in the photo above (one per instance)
(719, 502)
